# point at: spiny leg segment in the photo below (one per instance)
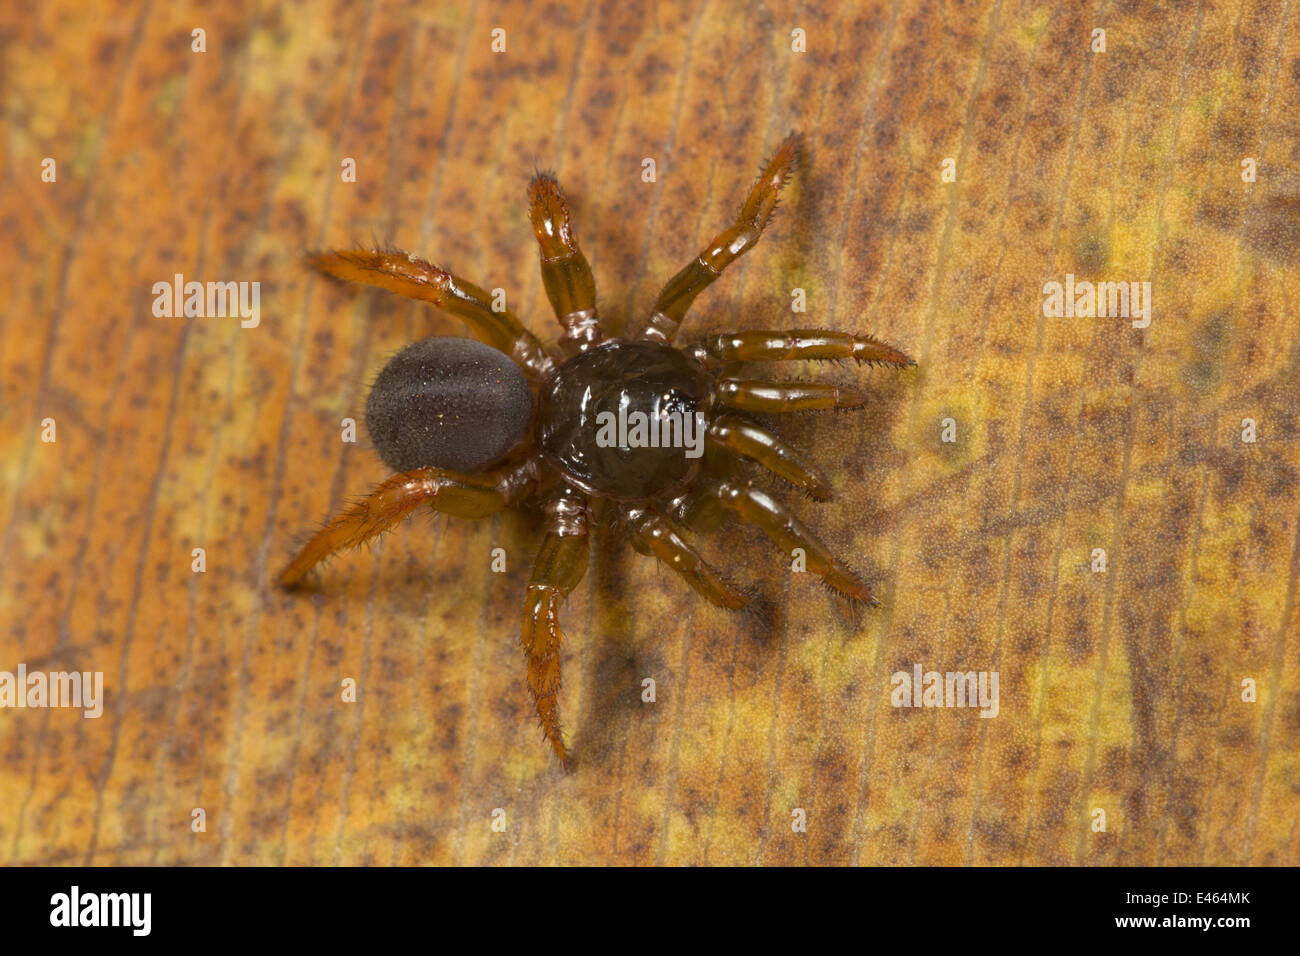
(727, 246)
(737, 436)
(731, 433)
(775, 346)
(415, 278)
(566, 273)
(776, 397)
(465, 496)
(561, 562)
(801, 344)
(788, 533)
(656, 534)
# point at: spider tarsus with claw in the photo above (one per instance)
(474, 427)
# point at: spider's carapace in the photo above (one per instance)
(616, 382)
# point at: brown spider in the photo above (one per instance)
(605, 428)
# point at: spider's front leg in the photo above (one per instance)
(809, 344)
(812, 344)
(415, 278)
(657, 535)
(561, 562)
(726, 247)
(776, 397)
(731, 434)
(787, 533)
(465, 496)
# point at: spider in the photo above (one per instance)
(474, 426)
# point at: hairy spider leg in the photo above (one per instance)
(726, 247)
(410, 276)
(732, 434)
(788, 533)
(814, 344)
(566, 273)
(656, 535)
(464, 496)
(774, 397)
(560, 564)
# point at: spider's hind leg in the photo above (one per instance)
(415, 278)
(464, 496)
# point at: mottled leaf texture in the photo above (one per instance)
(958, 157)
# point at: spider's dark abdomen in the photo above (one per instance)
(587, 394)
(448, 403)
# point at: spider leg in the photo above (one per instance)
(727, 246)
(465, 496)
(566, 274)
(659, 536)
(817, 344)
(765, 396)
(788, 533)
(733, 434)
(415, 278)
(560, 564)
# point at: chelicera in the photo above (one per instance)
(474, 426)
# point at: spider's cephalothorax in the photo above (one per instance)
(473, 426)
(588, 396)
